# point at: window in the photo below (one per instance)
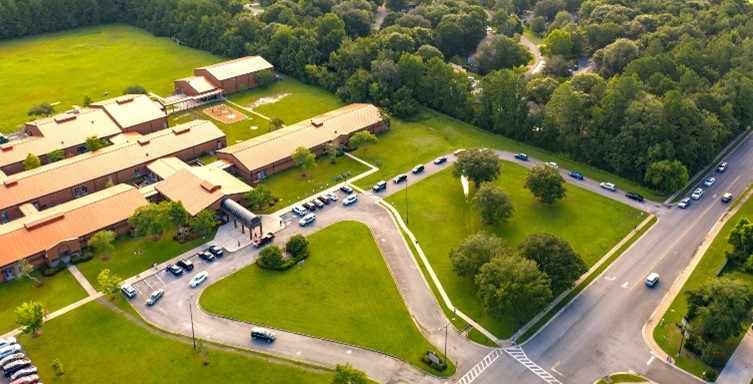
(5, 217)
(138, 172)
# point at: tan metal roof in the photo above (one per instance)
(131, 110)
(234, 68)
(41, 231)
(200, 84)
(68, 173)
(167, 166)
(280, 144)
(200, 187)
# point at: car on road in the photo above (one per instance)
(552, 164)
(709, 181)
(400, 178)
(722, 167)
(155, 296)
(380, 186)
(26, 380)
(697, 194)
(331, 196)
(652, 279)
(128, 290)
(9, 341)
(13, 357)
(300, 210)
(346, 189)
(418, 169)
(608, 186)
(634, 196)
(174, 269)
(216, 250)
(259, 333)
(24, 372)
(324, 199)
(9, 350)
(440, 160)
(684, 203)
(318, 203)
(185, 264)
(727, 197)
(458, 152)
(350, 199)
(576, 175)
(521, 156)
(264, 240)
(15, 366)
(206, 256)
(198, 279)
(308, 219)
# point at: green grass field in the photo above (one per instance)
(97, 345)
(66, 66)
(57, 292)
(343, 292)
(624, 378)
(591, 223)
(235, 132)
(668, 335)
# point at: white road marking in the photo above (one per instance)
(518, 354)
(480, 367)
(607, 278)
(298, 353)
(624, 285)
(554, 368)
(147, 283)
(650, 360)
(160, 280)
(349, 351)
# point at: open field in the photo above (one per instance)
(591, 223)
(66, 66)
(97, 345)
(57, 292)
(359, 303)
(236, 131)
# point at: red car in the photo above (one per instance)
(260, 242)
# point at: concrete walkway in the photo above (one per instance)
(739, 368)
(82, 280)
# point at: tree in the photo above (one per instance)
(493, 204)
(101, 242)
(259, 197)
(666, 175)
(479, 165)
(32, 161)
(43, 109)
(109, 283)
(265, 78)
(93, 143)
(55, 155)
(151, 218)
(271, 257)
(559, 42)
(203, 223)
(513, 286)
(303, 158)
(25, 268)
(57, 367)
(720, 306)
(540, 89)
(275, 123)
(177, 212)
(548, 8)
(475, 251)
(30, 316)
(362, 139)
(298, 246)
(613, 58)
(428, 52)
(741, 239)
(545, 183)
(555, 257)
(87, 101)
(346, 374)
(135, 90)
(500, 52)
(537, 24)
(331, 150)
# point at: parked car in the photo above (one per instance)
(310, 207)
(216, 250)
(185, 264)
(440, 160)
(24, 372)
(331, 196)
(634, 196)
(15, 366)
(174, 269)
(709, 181)
(350, 199)
(380, 186)
(155, 296)
(684, 203)
(324, 199)
(128, 290)
(418, 169)
(608, 186)
(458, 152)
(552, 164)
(652, 279)
(9, 358)
(318, 203)
(521, 156)
(346, 189)
(727, 197)
(198, 279)
(300, 210)
(400, 178)
(576, 175)
(697, 194)
(9, 341)
(264, 240)
(206, 256)
(308, 219)
(722, 167)
(259, 333)
(31, 379)
(9, 350)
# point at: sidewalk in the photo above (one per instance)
(739, 368)
(82, 280)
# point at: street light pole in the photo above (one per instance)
(445, 340)
(190, 310)
(406, 201)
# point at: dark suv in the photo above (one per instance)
(634, 196)
(380, 186)
(174, 269)
(346, 190)
(185, 264)
(216, 250)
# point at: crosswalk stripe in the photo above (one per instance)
(518, 354)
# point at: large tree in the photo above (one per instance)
(512, 286)
(720, 306)
(202, 223)
(479, 165)
(303, 158)
(613, 58)
(475, 251)
(30, 316)
(271, 257)
(109, 283)
(101, 242)
(331, 150)
(558, 42)
(259, 197)
(741, 239)
(666, 175)
(346, 374)
(362, 139)
(555, 257)
(493, 204)
(500, 52)
(545, 183)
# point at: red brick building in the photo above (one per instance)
(226, 77)
(134, 113)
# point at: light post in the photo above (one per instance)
(445, 339)
(406, 201)
(190, 310)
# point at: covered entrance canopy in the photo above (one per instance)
(240, 214)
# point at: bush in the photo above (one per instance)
(710, 375)
(434, 362)
(713, 355)
(49, 271)
(694, 344)
(80, 258)
(298, 247)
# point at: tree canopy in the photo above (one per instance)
(720, 306)
(303, 158)
(479, 165)
(545, 183)
(493, 204)
(101, 242)
(32, 161)
(555, 257)
(30, 316)
(513, 286)
(475, 251)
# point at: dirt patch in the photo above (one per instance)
(268, 100)
(224, 114)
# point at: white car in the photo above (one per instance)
(697, 194)
(552, 164)
(9, 358)
(6, 342)
(652, 279)
(684, 203)
(331, 196)
(128, 290)
(709, 182)
(308, 219)
(608, 186)
(300, 210)
(350, 199)
(9, 350)
(198, 279)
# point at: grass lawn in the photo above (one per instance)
(534, 37)
(235, 132)
(591, 223)
(66, 66)
(57, 292)
(343, 292)
(97, 345)
(407, 144)
(624, 378)
(126, 260)
(297, 101)
(668, 335)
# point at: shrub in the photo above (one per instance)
(271, 258)
(298, 246)
(694, 343)
(713, 355)
(49, 271)
(81, 258)
(710, 375)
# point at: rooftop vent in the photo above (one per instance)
(44, 220)
(124, 100)
(63, 119)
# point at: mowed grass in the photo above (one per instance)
(57, 292)
(97, 345)
(343, 292)
(441, 219)
(295, 101)
(668, 335)
(235, 132)
(66, 66)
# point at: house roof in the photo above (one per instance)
(278, 145)
(200, 84)
(41, 231)
(68, 173)
(167, 166)
(131, 110)
(200, 187)
(60, 131)
(234, 68)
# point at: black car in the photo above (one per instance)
(17, 365)
(418, 169)
(206, 256)
(380, 186)
(722, 167)
(400, 178)
(346, 190)
(215, 250)
(174, 269)
(634, 196)
(185, 264)
(440, 160)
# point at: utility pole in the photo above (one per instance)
(190, 310)
(445, 339)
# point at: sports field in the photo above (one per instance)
(65, 67)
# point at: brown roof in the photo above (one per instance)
(167, 166)
(278, 145)
(131, 110)
(28, 185)
(238, 67)
(41, 231)
(200, 84)
(200, 187)
(60, 131)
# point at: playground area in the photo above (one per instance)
(224, 114)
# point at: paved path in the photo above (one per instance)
(538, 60)
(82, 280)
